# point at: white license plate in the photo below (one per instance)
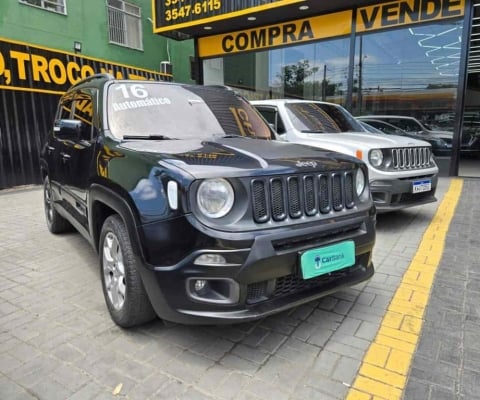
(424, 185)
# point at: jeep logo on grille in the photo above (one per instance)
(312, 164)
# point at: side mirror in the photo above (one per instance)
(68, 129)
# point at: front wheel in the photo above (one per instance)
(123, 289)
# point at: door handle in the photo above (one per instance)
(65, 156)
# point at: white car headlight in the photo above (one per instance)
(215, 197)
(360, 182)
(375, 157)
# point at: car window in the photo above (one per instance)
(369, 127)
(385, 127)
(181, 112)
(408, 125)
(78, 105)
(280, 125)
(321, 118)
(272, 116)
(65, 109)
(83, 111)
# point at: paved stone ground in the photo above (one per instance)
(57, 340)
(447, 362)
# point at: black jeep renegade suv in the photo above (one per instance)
(198, 214)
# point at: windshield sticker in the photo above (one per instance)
(243, 122)
(128, 91)
(132, 104)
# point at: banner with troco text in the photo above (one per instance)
(31, 68)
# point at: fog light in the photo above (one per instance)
(213, 290)
(210, 259)
(199, 285)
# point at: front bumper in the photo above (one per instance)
(396, 194)
(260, 276)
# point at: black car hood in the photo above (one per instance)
(239, 156)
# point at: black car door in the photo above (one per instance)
(54, 151)
(78, 155)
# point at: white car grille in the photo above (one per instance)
(411, 158)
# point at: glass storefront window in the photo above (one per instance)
(314, 71)
(411, 71)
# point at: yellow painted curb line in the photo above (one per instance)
(384, 369)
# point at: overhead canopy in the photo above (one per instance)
(181, 19)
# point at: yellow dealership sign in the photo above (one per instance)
(407, 12)
(370, 18)
(288, 33)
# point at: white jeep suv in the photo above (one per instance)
(402, 170)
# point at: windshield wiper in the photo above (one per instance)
(147, 137)
(311, 131)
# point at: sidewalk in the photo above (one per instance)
(57, 340)
(447, 359)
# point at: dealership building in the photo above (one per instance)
(411, 57)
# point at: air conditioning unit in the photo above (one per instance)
(166, 67)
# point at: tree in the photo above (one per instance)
(293, 77)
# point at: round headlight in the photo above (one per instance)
(360, 182)
(376, 157)
(215, 197)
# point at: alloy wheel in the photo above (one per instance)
(114, 271)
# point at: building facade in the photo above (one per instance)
(406, 57)
(48, 45)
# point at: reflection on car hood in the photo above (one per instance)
(364, 140)
(240, 156)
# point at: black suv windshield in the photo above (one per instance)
(155, 110)
(321, 118)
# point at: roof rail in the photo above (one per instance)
(90, 78)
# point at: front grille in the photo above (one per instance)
(294, 283)
(408, 197)
(411, 157)
(295, 196)
(290, 284)
(257, 292)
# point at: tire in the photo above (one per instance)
(55, 222)
(124, 293)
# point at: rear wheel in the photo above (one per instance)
(55, 222)
(123, 289)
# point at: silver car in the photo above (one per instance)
(402, 170)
